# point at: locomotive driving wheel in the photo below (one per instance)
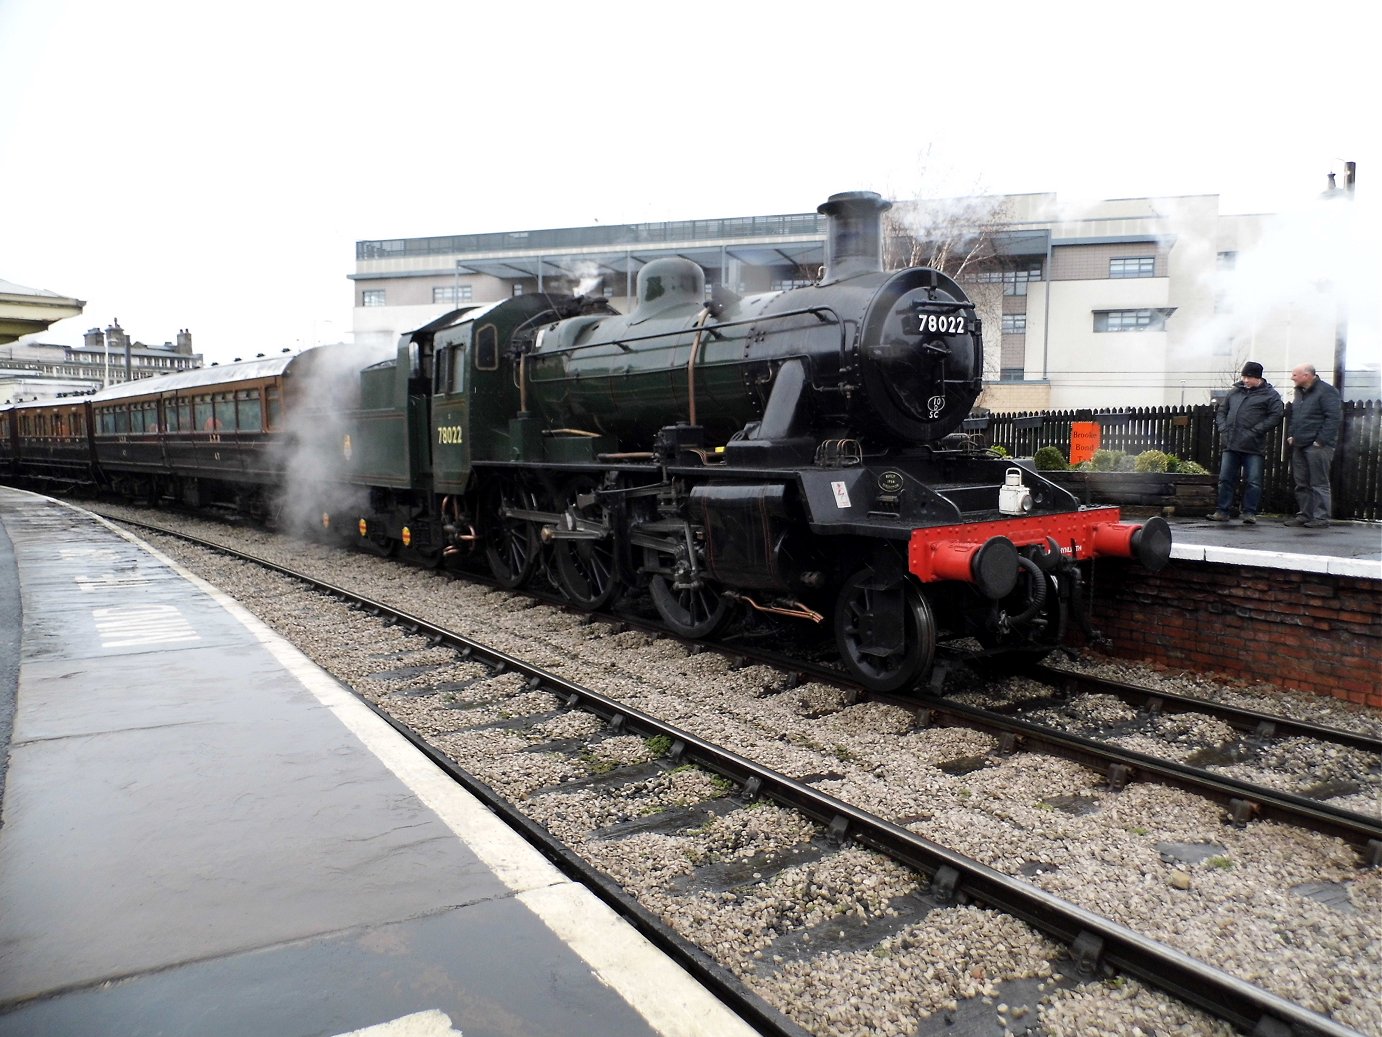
(585, 567)
(885, 631)
(689, 606)
(511, 544)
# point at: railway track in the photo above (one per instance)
(943, 879)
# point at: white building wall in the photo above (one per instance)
(1099, 369)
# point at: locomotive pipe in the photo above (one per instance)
(691, 366)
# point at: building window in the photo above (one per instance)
(1014, 324)
(1014, 281)
(1011, 374)
(372, 297)
(1137, 266)
(1130, 320)
(1228, 260)
(517, 290)
(453, 294)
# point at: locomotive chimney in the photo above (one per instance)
(854, 239)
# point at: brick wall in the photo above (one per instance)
(1304, 631)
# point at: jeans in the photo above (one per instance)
(1310, 467)
(1251, 465)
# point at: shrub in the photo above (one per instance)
(1191, 468)
(999, 451)
(1152, 461)
(1106, 460)
(1050, 459)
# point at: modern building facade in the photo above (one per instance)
(1129, 302)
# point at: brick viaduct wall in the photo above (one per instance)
(1305, 631)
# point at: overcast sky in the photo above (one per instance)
(211, 165)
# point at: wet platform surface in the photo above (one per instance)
(1344, 548)
(204, 833)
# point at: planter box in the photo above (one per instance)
(1183, 494)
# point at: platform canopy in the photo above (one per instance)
(27, 311)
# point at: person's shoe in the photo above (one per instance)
(1296, 520)
(1219, 516)
(1317, 524)
(1249, 520)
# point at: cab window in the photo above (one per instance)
(487, 348)
(451, 370)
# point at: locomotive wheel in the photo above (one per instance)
(688, 613)
(511, 545)
(878, 669)
(379, 545)
(428, 558)
(585, 568)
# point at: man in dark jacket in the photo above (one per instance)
(1316, 415)
(1251, 409)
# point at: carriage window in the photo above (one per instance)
(223, 407)
(272, 404)
(249, 415)
(203, 419)
(185, 415)
(487, 348)
(122, 419)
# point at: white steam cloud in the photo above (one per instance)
(322, 391)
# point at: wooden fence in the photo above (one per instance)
(1189, 434)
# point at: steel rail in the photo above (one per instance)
(1244, 800)
(1095, 943)
(1154, 701)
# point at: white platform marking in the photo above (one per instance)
(431, 1023)
(127, 626)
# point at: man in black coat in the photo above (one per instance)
(1251, 409)
(1316, 415)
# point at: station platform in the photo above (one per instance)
(1343, 549)
(205, 834)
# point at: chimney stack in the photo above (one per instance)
(854, 239)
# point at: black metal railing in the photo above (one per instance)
(616, 236)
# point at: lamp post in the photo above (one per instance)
(1341, 327)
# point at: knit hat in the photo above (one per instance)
(1252, 369)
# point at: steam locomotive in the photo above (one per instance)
(796, 454)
